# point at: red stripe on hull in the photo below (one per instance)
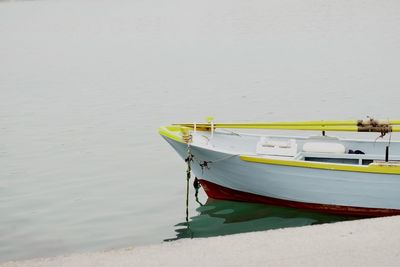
(220, 192)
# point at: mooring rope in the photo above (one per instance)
(205, 164)
(188, 138)
(188, 160)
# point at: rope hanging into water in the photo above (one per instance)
(188, 138)
(188, 160)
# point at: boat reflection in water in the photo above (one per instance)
(220, 217)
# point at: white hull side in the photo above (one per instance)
(298, 184)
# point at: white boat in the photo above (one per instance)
(319, 172)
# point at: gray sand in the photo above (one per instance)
(369, 242)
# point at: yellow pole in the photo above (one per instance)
(340, 126)
(304, 123)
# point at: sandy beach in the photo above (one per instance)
(368, 242)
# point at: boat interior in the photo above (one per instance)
(315, 148)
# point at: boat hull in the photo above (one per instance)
(227, 176)
(216, 191)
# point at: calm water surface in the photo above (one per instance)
(84, 85)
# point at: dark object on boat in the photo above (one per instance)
(355, 151)
(387, 154)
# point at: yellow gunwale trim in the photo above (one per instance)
(172, 132)
(325, 166)
(368, 125)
